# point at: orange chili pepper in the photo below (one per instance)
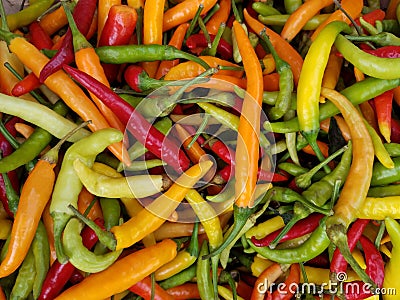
(88, 61)
(2, 295)
(292, 279)
(195, 152)
(124, 273)
(191, 69)
(300, 16)
(152, 30)
(184, 12)
(332, 72)
(240, 82)
(266, 278)
(271, 82)
(24, 129)
(85, 198)
(65, 87)
(93, 26)
(322, 146)
(48, 224)
(352, 7)
(284, 49)
(221, 16)
(396, 95)
(176, 41)
(184, 291)
(54, 21)
(103, 8)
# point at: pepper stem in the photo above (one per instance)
(337, 234)
(3, 16)
(52, 155)
(304, 180)
(311, 138)
(105, 237)
(193, 248)
(240, 216)
(7, 36)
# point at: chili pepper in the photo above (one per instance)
(199, 40)
(390, 281)
(88, 205)
(384, 191)
(357, 181)
(265, 9)
(59, 274)
(383, 108)
(86, 150)
(302, 227)
(29, 83)
(291, 5)
(137, 53)
(53, 21)
(124, 273)
(142, 130)
(28, 15)
(83, 14)
(184, 291)
(321, 191)
(25, 278)
(292, 279)
(41, 253)
(221, 16)
(359, 58)
(180, 278)
(38, 37)
(80, 256)
(280, 20)
(384, 39)
(307, 94)
(118, 30)
(104, 7)
(283, 101)
(352, 8)
(184, 259)
(183, 12)
(265, 280)
(382, 175)
(175, 41)
(140, 81)
(313, 246)
(204, 282)
(356, 93)
(300, 17)
(144, 289)
(380, 207)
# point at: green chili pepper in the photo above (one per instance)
(382, 175)
(180, 278)
(321, 191)
(68, 185)
(315, 245)
(25, 278)
(12, 196)
(271, 97)
(286, 83)
(310, 80)
(357, 93)
(137, 53)
(381, 39)
(79, 255)
(384, 191)
(391, 269)
(292, 5)
(203, 274)
(280, 20)
(391, 26)
(264, 9)
(393, 149)
(41, 253)
(28, 15)
(378, 67)
(291, 138)
(292, 169)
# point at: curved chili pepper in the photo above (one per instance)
(307, 94)
(383, 108)
(302, 227)
(38, 37)
(292, 279)
(149, 136)
(124, 273)
(83, 13)
(138, 79)
(280, 20)
(199, 40)
(265, 280)
(26, 276)
(53, 21)
(103, 10)
(41, 253)
(59, 274)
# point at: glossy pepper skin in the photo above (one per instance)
(391, 269)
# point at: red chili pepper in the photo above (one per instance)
(199, 41)
(138, 79)
(385, 51)
(39, 37)
(375, 270)
(221, 150)
(76, 277)
(185, 291)
(383, 109)
(228, 171)
(372, 17)
(301, 228)
(143, 289)
(339, 263)
(83, 14)
(155, 141)
(59, 274)
(7, 149)
(395, 131)
(291, 280)
(118, 30)
(29, 83)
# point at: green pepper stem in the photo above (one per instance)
(3, 16)
(193, 22)
(382, 39)
(105, 237)
(193, 248)
(213, 49)
(311, 138)
(337, 234)
(304, 180)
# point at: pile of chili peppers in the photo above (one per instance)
(200, 149)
